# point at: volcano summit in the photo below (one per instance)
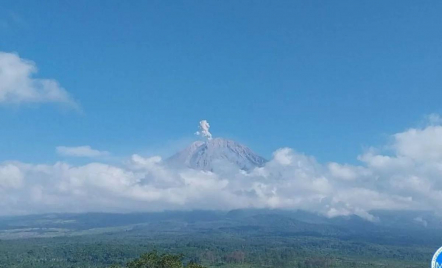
(204, 155)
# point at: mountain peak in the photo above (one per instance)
(204, 155)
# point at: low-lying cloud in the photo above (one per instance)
(406, 176)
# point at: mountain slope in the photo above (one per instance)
(206, 155)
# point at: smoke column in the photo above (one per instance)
(204, 130)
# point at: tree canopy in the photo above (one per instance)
(155, 260)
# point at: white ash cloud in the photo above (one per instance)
(204, 132)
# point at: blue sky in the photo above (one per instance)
(325, 78)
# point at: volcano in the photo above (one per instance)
(206, 155)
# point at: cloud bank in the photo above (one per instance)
(406, 176)
(18, 86)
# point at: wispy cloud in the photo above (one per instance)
(80, 151)
(433, 119)
(16, 18)
(18, 86)
(11, 20)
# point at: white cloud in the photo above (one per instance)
(18, 86)
(147, 184)
(10, 176)
(80, 151)
(404, 179)
(344, 172)
(420, 144)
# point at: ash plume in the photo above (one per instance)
(204, 130)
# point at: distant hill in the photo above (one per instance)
(392, 227)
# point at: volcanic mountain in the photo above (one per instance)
(204, 155)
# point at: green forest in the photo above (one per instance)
(320, 253)
(241, 239)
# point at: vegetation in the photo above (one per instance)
(215, 251)
(237, 240)
(155, 260)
